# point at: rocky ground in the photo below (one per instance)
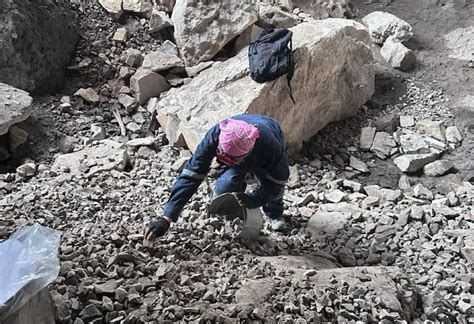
(364, 243)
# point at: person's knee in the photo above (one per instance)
(228, 184)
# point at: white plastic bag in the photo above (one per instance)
(28, 263)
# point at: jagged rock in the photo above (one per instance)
(398, 55)
(37, 40)
(132, 57)
(113, 7)
(129, 103)
(420, 191)
(453, 135)
(159, 20)
(17, 137)
(437, 168)
(88, 95)
(433, 128)
(15, 106)
(197, 38)
(373, 191)
(193, 109)
(413, 143)
(139, 6)
(286, 5)
(97, 132)
(407, 121)
(383, 145)
(383, 25)
(106, 288)
(147, 141)
(276, 17)
(147, 84)
(169, 48)
(435, 143)
(67, 144)
(89, 312)
(404, 182)
(460, 42)
(103, 156)
(335, 196)
(387, 123)
(165, 5)
(367, 137)
(120, 35)
(192, 71)
(255, 291)
(27, 169)
(157, 61)
(327, 222)
(370, 202)
(414, 162)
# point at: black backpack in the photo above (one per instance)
(271, 56)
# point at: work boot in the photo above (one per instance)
(278, 224)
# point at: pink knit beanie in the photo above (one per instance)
(237, 137)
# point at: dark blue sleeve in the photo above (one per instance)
(193, 174)
(272, 183)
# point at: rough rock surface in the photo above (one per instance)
(461, 44)
(383, 25)
(15, 106)
(37, 40)
(102, 156)
(202, 29)
(226, 89)
(398, 55)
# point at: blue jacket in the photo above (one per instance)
(267, 160)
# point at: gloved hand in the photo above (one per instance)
(157, 228)
(246, 201)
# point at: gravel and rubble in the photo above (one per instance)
(365, 242)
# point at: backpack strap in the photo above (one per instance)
(290, 73)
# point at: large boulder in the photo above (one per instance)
(382, 25)
(334, 76)
(103, 156)
(201, 29)
(37, 39)
(15, 106)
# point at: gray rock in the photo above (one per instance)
(16, 137)
(200, 41)
(277, 17)
(335, 196)
(398, 55)
(407, 121)
(67, 144)
(147, 84)
(370, 202)
(383, 25)
(159, 20)
(97, 132)
(27, 169)
(107, 288)
(327, 222)
(404, 182)
(132, 57)
(437, 168)
(255, 292)
(157, 61)
(120, 35)
(138, 6)
(413, 143)
(114, 7)
(373, 191)
(346, 257)
(89, 312)
(38, 40)
(459, 41)
(358, 165)
(168, 47)
(192, 71)
(422, 192)
(195, 108)
(146, 141)
(102, 156)
(414, 162)
(432, 128)
(387, 123)
(367, 137)
(453, 135)
(88, 95)
(417, 213)
(15, 106)
(383, 145)
(355, 186)
(433, 143)
(129, 103)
